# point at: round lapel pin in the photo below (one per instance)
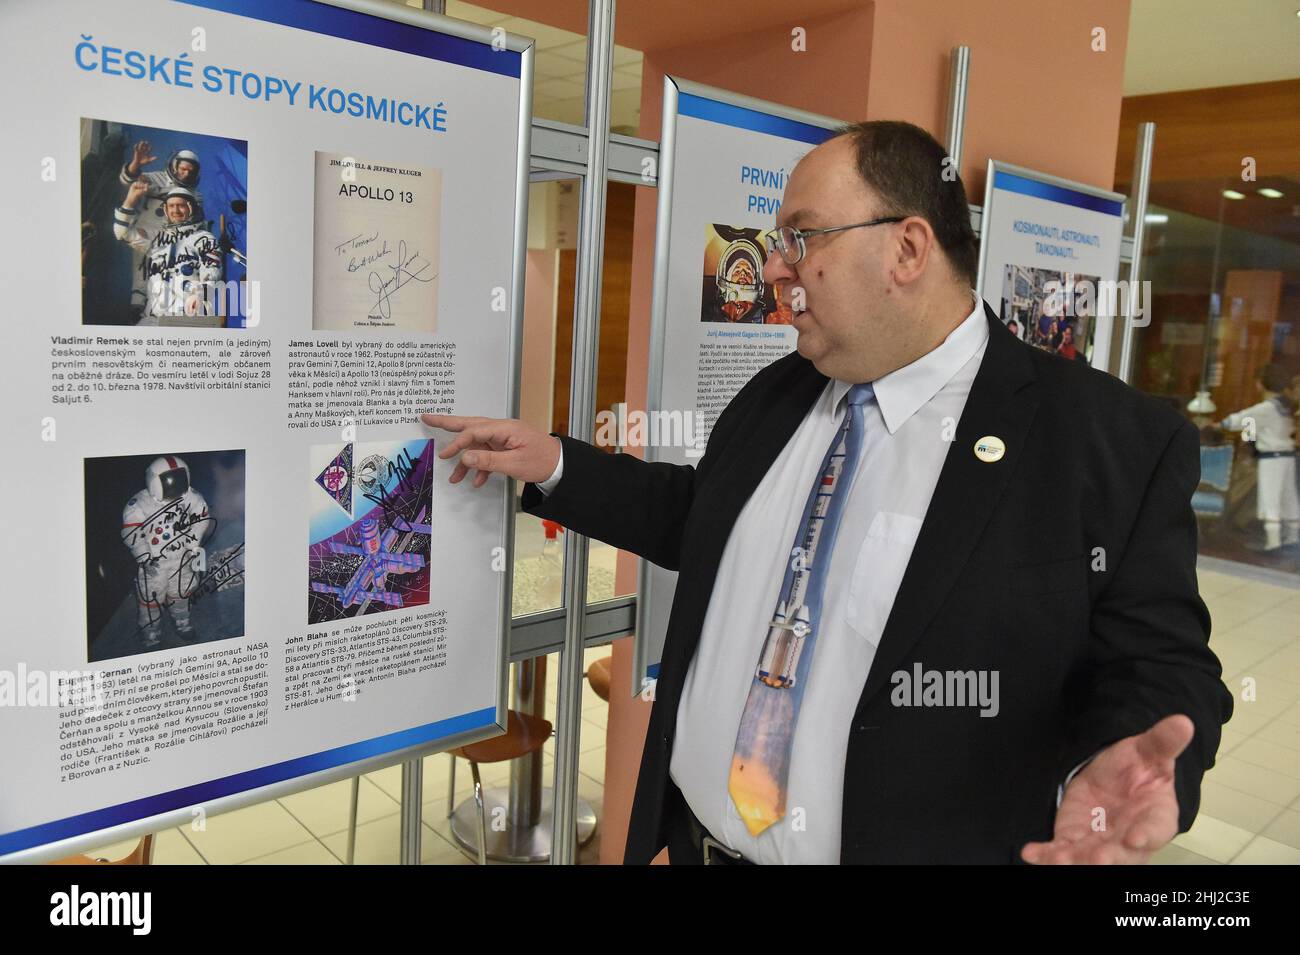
(990, 448)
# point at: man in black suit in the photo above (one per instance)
(1014, 516)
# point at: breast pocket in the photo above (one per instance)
(878, 571)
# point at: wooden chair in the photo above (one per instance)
(598, 675)
(141, 855)
(525, 734)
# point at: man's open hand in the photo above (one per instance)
(1122, 806)
(507, 445)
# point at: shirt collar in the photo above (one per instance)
(904, 391)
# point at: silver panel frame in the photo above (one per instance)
(674, 86)
(1101, 348)
(1137, 228)
(582, 400)
(178, 817)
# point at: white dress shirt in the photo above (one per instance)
(908, 428)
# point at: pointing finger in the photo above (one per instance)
(447, 422)
(479, 434)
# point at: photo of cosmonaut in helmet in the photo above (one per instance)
(164, 227)
(734, 290)
(182, 260)
(739, 281)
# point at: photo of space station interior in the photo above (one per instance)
(733, 287)
(1051, 310)
(163, 227)
(371, 530)
(164, 551)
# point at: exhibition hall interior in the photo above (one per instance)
(1156, 141)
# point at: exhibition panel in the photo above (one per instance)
(276, 586)
(1049, 261)
(724, 161)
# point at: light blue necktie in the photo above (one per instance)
(760, 766)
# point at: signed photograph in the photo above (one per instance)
(164, 551)
(372, 505)
(376, 245)
(164, 227)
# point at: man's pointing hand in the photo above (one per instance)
(504, 445)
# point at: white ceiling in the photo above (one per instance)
(1199, 44)
(1172, 45)
(560, 68)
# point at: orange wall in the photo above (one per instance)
(537, 362)
(839, 39)
(1038, 94)
(1038, 97)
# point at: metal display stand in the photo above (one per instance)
(526, 805)
(958, 82)
(582, 410)
(1146, 143)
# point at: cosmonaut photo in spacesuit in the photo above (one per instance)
(733, 287)
(164, 551)
(163, 221)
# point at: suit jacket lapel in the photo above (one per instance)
(1001, 403)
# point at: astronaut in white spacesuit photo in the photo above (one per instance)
(164, 526)
(183, 169)
(1271, 426)
(179, 263)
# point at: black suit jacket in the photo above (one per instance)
(1069, 566)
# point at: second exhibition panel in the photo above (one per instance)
(725, 159)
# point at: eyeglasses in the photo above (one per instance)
(789, 241)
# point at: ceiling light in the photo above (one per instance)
(1232, 194)
(1155, 218)
(1269, 193)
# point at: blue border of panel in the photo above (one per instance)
(240, 782)
(1010, 182)
(372, 30)
(700, 107)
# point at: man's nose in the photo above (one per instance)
(776, 269)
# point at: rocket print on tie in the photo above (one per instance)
(760, 764)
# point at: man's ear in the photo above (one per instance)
(915, 249)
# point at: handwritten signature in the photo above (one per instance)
(409, 268)
(403, 467)
(151, 586)
(226, 574)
